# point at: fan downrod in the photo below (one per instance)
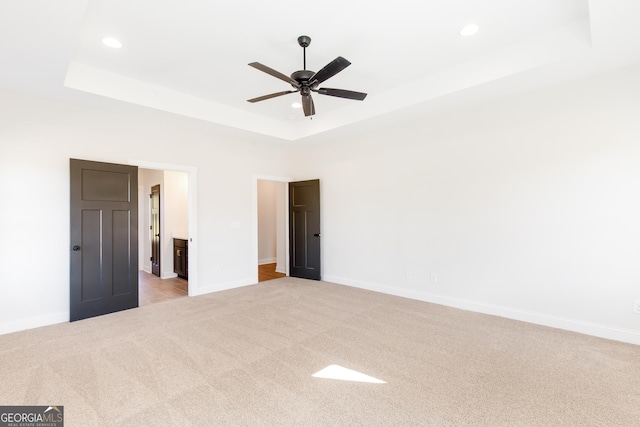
(304, 41)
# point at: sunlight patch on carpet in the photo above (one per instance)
(337, 372)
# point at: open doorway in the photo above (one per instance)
(156, 247)
(163, 227)
(272, 229)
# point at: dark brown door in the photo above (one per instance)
(304, 229)
(155, 230)
(104, 238)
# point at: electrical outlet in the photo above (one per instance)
(434, 278)
(409, 274)
(216, 269)
(636, 306)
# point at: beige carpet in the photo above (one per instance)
(246, 357)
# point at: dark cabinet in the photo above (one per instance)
(181, 258)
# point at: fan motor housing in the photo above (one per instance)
(302, 76)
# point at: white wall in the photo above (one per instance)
(267, 222)
(37, 138)
(272, 223)
(527, 208)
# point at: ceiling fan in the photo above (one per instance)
(305, 81)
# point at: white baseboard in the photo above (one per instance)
(267, 261)
(587, 328)
(37, 322)
(163, 275)
(222, 286)
(573, 325)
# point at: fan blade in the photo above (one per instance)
(272, 95)
(329, 70)
(307, 105)
(274, 73)
(341, 93)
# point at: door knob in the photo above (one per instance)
(76, 248)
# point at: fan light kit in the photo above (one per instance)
(305, 81)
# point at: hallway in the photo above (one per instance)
(153, 289)
(268, 272)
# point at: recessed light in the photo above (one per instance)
(111, 42)
(469, 30)
(296, 105)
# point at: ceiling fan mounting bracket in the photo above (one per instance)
(304, 41)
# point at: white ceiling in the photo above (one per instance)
(190, 57)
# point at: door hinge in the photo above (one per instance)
(150, 258)
(151, 196)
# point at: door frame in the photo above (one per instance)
(192, 191)
(254, 220)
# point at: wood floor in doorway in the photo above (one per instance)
(268, 272)
(152, 289)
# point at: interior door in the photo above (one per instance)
(104, 238)
(304, 229)
(155, 230)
